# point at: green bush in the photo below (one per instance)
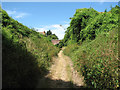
(96, 55)
(26, 54)
(87, 24)
(97, 60)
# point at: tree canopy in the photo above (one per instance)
(50, 35)
(86, 24)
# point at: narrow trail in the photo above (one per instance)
(61, 74)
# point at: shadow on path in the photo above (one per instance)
(49, 83)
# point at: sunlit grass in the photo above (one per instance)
(97, 60)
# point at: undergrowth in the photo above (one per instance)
(26, 54)
(97, 60)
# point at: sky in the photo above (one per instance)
(44, 16)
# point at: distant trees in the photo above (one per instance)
(50, 35)
(105, 10)
(53, 36)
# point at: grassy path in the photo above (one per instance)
(61, 74)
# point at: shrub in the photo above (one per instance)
(98, 60)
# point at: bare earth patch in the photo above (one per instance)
(61, 74)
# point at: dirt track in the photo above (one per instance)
(61, 74)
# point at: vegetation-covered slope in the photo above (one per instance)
(86, 24)
(51, 36)
(25, 53)
(94, 48)
(97, 60)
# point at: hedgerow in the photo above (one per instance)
(97, 60)
(26, 54)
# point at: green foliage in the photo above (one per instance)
(87, 24)
(92, 43)
(51, 36)
(105, 10)
(61, 44)
(115, 10)
(19, 65)
(81, 19)
(26, 54)
(97, 60)
(49, 33)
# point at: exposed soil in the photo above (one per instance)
(61, 74)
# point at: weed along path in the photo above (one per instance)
(61, 74)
